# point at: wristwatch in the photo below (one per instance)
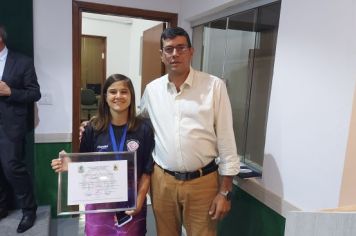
(227, 194)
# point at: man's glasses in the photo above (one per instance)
(179, 48)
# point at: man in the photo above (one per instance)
(191, 115)
(18, 89)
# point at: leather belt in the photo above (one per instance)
(211, 167)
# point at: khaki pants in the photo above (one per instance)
(176, 203)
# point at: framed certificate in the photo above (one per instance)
(97, 182)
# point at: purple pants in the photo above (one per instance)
(97, 224)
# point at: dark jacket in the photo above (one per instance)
(19, 74)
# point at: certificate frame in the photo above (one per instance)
(97, 182)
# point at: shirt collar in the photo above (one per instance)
(3, 53)
(187, 83)
(189, 80)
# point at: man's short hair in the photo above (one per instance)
(3, 33)
(171, 33)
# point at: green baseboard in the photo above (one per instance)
(250, 217)
(46, 180)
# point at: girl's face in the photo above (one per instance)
(118, 97)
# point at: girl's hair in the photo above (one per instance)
(103, 119)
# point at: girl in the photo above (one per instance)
(117, 123)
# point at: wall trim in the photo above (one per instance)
(270, 199)
(53, 138)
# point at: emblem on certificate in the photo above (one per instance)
(97, 182)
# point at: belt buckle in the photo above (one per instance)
(180, 175)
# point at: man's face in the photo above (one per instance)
(176, 55)
(2, 43)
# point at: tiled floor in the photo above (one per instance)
(9, 224)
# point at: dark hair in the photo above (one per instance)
(102, 120)
(171, 33)
(3, 33)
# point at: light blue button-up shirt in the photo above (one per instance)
(3, 56)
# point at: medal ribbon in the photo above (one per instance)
(122, 139)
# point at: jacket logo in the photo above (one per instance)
(132, 145)
(102, 147)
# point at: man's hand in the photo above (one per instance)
(134, 211)
(4, 89)
(220, 207)
(221, 204)
(82, 128)
(144, 185)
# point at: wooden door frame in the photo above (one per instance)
(77, 8)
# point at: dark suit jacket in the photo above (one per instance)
(19, 74)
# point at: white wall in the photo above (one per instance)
(53, 62)
(311, 101)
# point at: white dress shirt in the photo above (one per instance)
(193, 126)
(3, 56)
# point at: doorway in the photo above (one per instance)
(169, 19)
(93, 71)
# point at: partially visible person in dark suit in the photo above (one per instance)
(18, 89)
